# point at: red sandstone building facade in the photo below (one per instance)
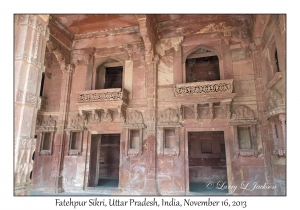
(150, 104)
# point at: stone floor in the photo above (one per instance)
(200, 188)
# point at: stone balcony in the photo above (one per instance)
(103, 99)
(214, 91)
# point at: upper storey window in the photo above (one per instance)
(202, 65)
(109, 75)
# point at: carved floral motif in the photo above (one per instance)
(31, 99)
(77, 122)
(243, 112)
(134, 117)
(101, 96)
(106, 115)
(169, 116)
(27, 143)
(222, 86)
(19, 96)
(93, 117)
(46, 123)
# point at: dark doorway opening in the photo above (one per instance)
(207, 162)
(105, 159)
(202, 69)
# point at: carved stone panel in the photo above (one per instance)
(275, 100)
(243, 112)
(134, 119)
(168, 116)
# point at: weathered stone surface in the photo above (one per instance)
(178, 75)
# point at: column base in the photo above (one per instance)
(22, 190)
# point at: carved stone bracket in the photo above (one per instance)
(165, 45)
(82, 57)
(241, 35)
(135, 48)
(93, 117)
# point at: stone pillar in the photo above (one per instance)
(56, 179)
(31, 35)
(151, 75)
(282, 119)
(263, 132)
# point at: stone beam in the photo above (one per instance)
(147, 24)
(60, 32)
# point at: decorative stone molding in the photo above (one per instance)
(134, 119)
(106, 115)
(102, 95)
(46, 124)
(31, 99)
(243, 112)
(34, 22)
(27, 143)
(19, 96)
(30, 60)
(93, 117)
(169, 116)
(205, 111)
(208, 87)
(77, 122)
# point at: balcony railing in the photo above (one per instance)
(115, 94)
(201, 88)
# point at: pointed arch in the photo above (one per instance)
(108, 73)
